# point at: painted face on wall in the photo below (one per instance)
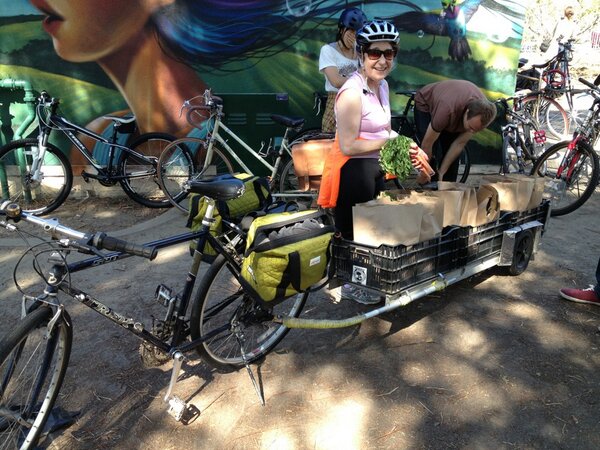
(88, 30)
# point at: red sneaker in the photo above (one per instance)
(581, 295)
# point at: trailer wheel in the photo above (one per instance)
(522, 253)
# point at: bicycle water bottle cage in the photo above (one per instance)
(539, 137)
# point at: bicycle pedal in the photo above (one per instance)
(164, 295)
(177, 408)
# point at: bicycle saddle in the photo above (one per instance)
(290, 122)
(119, 119)
(223, 187)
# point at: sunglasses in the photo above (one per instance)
(374, 54)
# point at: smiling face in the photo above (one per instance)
(88, 30)
(377, 69)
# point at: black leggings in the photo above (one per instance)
(440, 146)
(361, 180)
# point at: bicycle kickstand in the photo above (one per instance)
(252, 378)
(177, 406)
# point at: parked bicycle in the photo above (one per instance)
(192, 158)
(522, 142)
(39, 175)
(571, 168)
(550, 83)
(222, 323)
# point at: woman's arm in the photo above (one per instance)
(333, 75)
(349, 112)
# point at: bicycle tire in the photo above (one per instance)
(220, 300)
(139, 177)
(548, 115)
(289, 186)
(579, 188)
(172, 179)
(35, 197)
(32, 369)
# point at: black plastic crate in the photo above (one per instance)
(391, 269)
(483, 240)
(539, 213)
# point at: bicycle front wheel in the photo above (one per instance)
(236, 328)
(33, 362)
(571, 176)
(186, 159)
(37, 193)
(139, 174)
(548, 115)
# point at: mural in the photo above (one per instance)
(146, 57)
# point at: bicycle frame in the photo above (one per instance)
(214, 135)
(69, 129)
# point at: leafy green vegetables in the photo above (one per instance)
(395, 158)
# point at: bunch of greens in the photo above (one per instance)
(395, 158)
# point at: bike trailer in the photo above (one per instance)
(286, 253)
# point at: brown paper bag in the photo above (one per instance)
(488, 208)
(387, 223)
(452, 205)
(537, 189)
(433, 214)
(513, 194)
(468, 215)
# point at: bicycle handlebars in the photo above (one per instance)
(98, 240)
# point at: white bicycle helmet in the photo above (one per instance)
(377, 31)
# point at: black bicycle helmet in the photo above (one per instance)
(352, 18)
(377, 31)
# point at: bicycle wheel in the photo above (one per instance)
(175, 168)
(139, 175)
(32, 369)
(17, 183)
(289, 186)
(571, 176)
(231, 319)
(548, 115)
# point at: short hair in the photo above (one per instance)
(569, 11)
(483, 108)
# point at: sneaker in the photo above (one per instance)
(360, 295)
(581, 295)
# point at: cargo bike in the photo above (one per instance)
(228, 324)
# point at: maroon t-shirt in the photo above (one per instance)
(446, 101)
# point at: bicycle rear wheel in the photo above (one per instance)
(548, 115)
(140, 178)
(289, 186)
(33, 362)
(17, 183)
(570, 176)
(184, 160)
(232, 320)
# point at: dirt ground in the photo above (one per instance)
(491, 362)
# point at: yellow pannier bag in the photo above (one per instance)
(286, 253)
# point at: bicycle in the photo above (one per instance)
(542, 104)
(404, 124)
(38, 174)
(192, 158)
(571, 168)
(225, 325)
(522, 142)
